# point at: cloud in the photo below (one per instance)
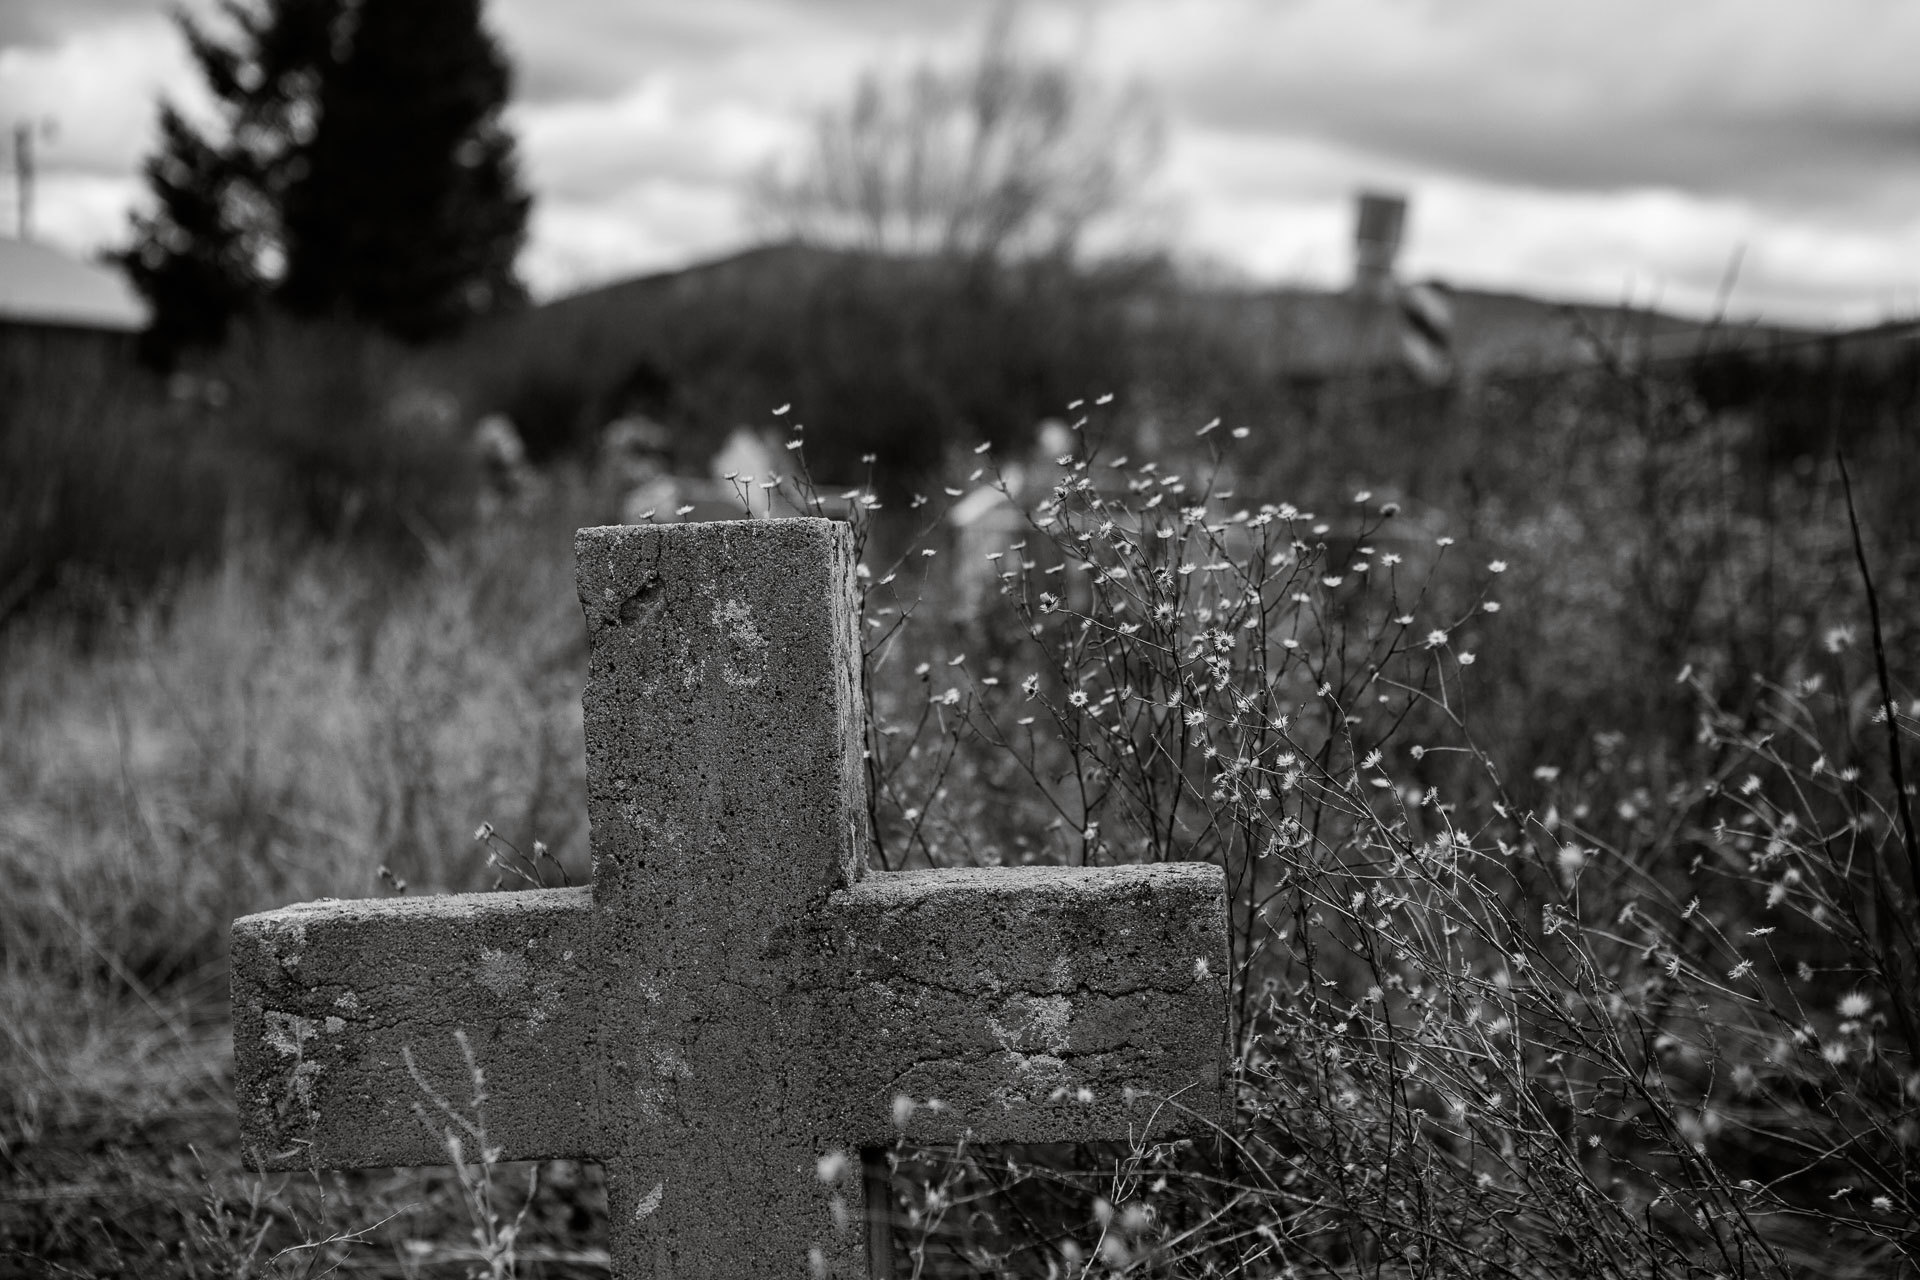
(84, 213)
(1586, 149)
(647, 180)
(655, 131)
(99, 88)
(1649, 248)
(39, 26)
(1763, 99)
(653, 226)
(570, 50)
(641, 129)
(1630, 147)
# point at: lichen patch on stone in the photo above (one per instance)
(289, 942)
(545, 1003)
(1030, 1024)
(746, 648)
(501, 973)
(301, 1083)
(288, 1033)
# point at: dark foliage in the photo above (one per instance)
(188, 258)
(105, 489)
(116, 484)
(359, 170)
(903, 360)
(409, 212)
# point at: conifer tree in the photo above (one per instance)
(209, 248)
(187, 257)
(409, 213)
(359, 170)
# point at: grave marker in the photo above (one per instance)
(736, 996)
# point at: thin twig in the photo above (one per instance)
(1886, 685)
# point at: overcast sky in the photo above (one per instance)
(1624, 150)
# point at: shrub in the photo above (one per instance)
(1614, 1021)
(355, 442)
(101, 481)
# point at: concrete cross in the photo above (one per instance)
(737, 996)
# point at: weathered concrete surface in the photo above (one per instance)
(326, 994)
(737, 997)
(726, 800)
(1037, 1004)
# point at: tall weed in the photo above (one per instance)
(1645, 1012)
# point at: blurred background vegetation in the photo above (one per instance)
(269, 630)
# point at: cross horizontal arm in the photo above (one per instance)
(1036, 1004)
(327, 995)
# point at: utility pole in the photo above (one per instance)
(24, 132)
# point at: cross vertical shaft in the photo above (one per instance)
(726, 799)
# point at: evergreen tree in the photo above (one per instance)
(210, 247)
(360, 171)
(409, 214)
(186, 257)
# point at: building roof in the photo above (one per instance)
(41, 285)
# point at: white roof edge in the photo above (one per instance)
(40, 285)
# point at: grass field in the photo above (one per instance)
(279, 730)
(1490, 831)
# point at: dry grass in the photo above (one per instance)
(1636, 1001)
(277, 730)
(284, 725)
